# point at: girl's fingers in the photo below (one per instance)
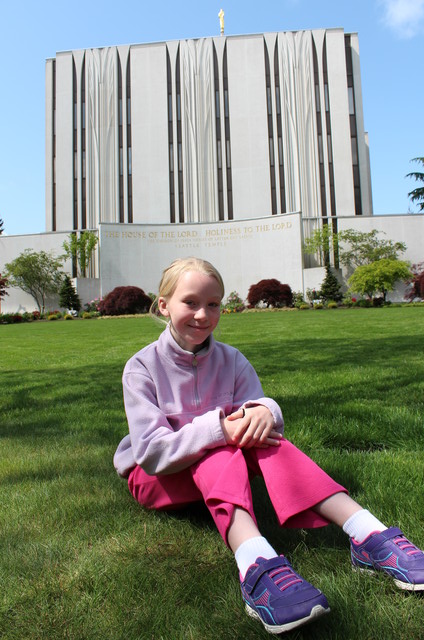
(237, 415)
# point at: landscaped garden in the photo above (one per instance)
(80, 559)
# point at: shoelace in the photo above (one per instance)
(404, 545)
(288, 578)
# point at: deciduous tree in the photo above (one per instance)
(271, 293)
(80, 249)
(355, 248)
(378, 277)
(37, 273)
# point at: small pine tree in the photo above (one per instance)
(69, 298)
(330, 288)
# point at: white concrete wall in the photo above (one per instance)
(340, 129)
(243, 251)
(149, 133)
(64, 142)
(248, 127)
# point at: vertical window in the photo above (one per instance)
(351, 101)
(279, 132)
(121, 148)
(326, 98)
(353, 130)
(270, 133)
(218, 125)
(330, 207)
(170, 141)
(54, 146)
(227, 138)
(179, 141)
(83, 153)
(129, 147)
(75, 144)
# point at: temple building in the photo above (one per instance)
(207, 130)
(232, 148)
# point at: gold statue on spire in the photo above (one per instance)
(221, 21)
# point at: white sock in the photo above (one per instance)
(361, 524)
(251, 549)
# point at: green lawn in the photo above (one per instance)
(81, 560)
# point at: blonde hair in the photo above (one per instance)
(173, 273)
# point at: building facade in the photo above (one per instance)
(206, 130)
(233, 148)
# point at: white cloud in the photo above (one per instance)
(405, 17)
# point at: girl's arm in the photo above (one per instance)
(257, 420)
(156, 446)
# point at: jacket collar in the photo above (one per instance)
(169, 348)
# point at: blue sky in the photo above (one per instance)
(391, 41)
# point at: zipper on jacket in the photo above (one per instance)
(196, 391)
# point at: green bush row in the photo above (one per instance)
(16, 318)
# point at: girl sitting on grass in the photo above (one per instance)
(200, 427)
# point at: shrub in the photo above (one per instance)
(68, 316)
(93, 305)
(348, 301)
(298, 299)
(332, 304)
(233, 304)
(417, 283)
(11, 318)
(304, 305)
(52, 316)
(271, 293)
(312, 294)
(125, 300)
(86, 315)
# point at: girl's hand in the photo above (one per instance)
(252, 427)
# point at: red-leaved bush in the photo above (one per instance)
(417, 282)
(271, 293)
(123, 301)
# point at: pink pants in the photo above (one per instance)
(221, 479)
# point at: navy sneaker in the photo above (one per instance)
(392, 553)
(278, 597)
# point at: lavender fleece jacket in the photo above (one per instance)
(174, 401)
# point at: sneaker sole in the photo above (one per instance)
(406, 586)
(316, 612)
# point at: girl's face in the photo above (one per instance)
(194, 309)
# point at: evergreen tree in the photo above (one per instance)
(69, 298)
(417, 195)
(330, 288)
